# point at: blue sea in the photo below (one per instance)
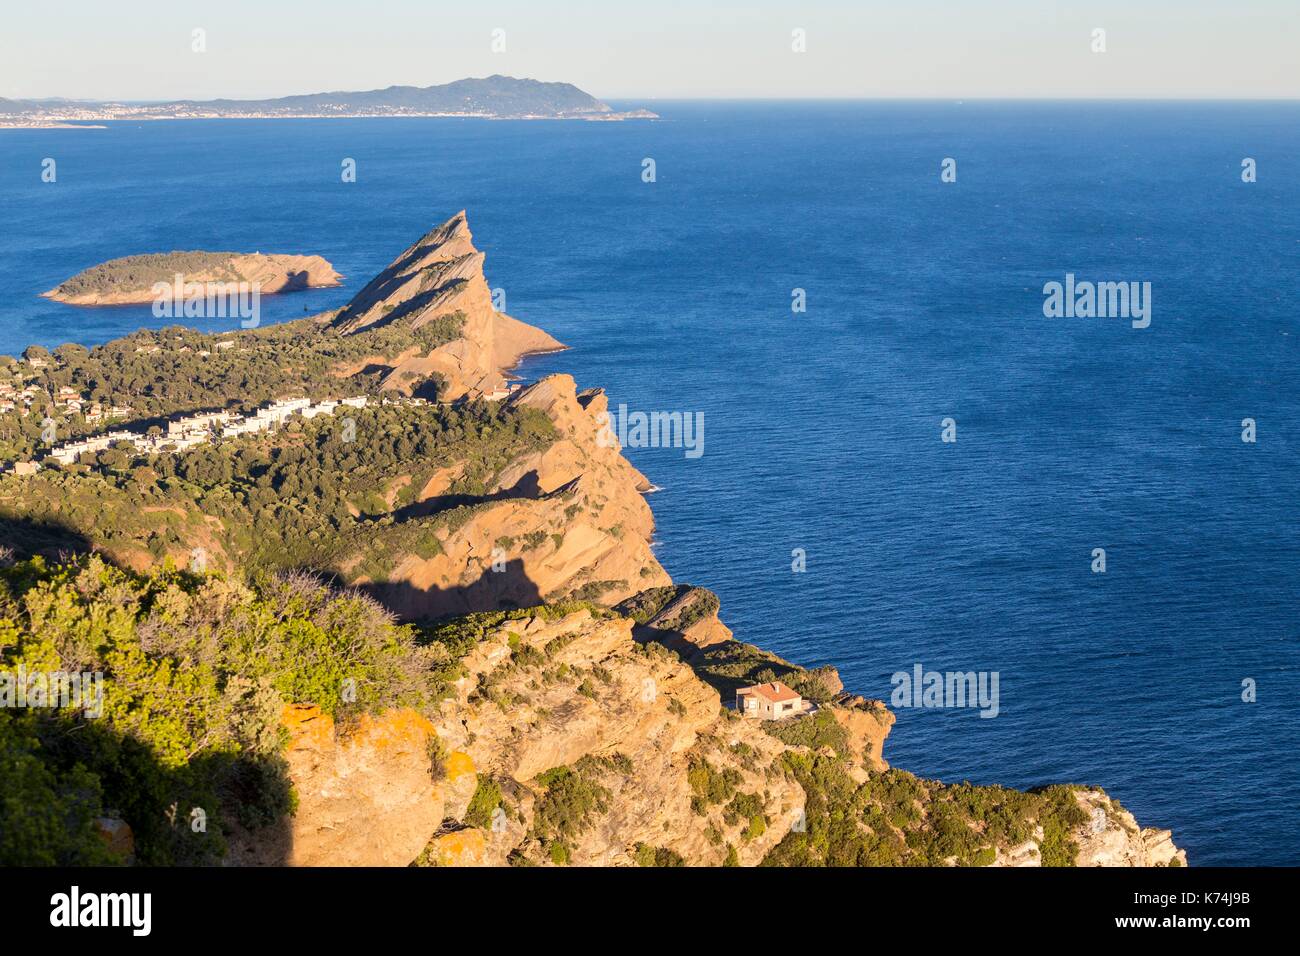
(822, 428)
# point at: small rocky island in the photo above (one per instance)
(130, 280)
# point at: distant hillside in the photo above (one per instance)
(497, 97)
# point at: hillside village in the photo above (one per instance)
(23, 397)
(192, 430)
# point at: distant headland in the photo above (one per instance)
(492, 97)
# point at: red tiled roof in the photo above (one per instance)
(776, 692)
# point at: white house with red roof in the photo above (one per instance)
(771, 701)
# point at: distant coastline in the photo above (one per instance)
(493, 97)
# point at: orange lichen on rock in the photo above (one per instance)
(459, 764)
(458, 848)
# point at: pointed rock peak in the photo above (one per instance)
(440, 274)
(452, 233)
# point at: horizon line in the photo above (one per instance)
(830, 98)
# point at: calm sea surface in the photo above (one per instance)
(822, 429)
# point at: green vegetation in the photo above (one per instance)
(652, 602)
(195, 674)
(747, 808)
(572, 798)
(818, 731)
(647, 855)
(710, 786)
(645, 605)
(159, 373)
(449, 640)
(897, 819)
(486, 799)
(134, 273)
(306, 497)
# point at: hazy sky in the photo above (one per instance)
(141, 49)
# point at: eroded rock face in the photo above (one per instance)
(639, 713)
(1112, 837)
(867, 723)
(578, 693)
(365, 798)
(442, 275)
(568, 521)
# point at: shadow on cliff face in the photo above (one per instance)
(507, 589)
(679, 616)
(296, 281)
(73, 781)
(527, 487)
(27, 538)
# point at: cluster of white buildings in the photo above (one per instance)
(67, 400)
(192, 430)
(266, 419)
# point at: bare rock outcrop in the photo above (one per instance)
(866, 723)
(681, 617)
(366, 797)
(580, 692)
(568, 521)
(441, 275)
(1112, 837)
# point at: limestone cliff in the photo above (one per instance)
(366, 797)
(566, 740)
(442, 275)
(567, 521)
(601, 735)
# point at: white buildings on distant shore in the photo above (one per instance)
(197, 423)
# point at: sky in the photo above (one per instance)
(672, 49)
